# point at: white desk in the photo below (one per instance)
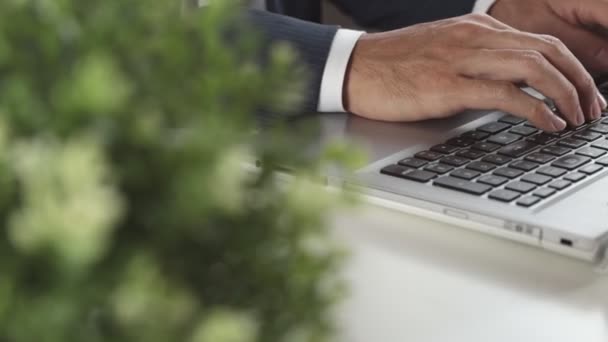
(416, 280)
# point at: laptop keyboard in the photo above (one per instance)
(510, 161)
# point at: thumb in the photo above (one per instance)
(589, 47)
(590, 13)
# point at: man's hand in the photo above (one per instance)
(438, 69)
(580, 24)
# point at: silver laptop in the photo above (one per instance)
(490, 172)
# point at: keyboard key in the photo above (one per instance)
(591, 152)
(504, 138)
(536, 179)
(591, 169)
(494, 127)
(588, 135)
(540, 158)
(524, 165)
(444, 149)
(521, 187)
(571, 143)
(481, 167)
(454, 161)
(543, 139)
(504, 195)
(544, 192)
(577, 128)
(512, 120)
(494, 181)
(395, 170)
(428, 155)
(571, 162)
(599, 128)
(508, 172)
(575, 177)
(593, 121)
(560, 184)
(475, 135)
(556, 150)
(465, 174)
(420, 176)
(518, 149)
(603, 144)
(406, 173)
(439, 168)
(486, 147)
(561, 134)
(497, 159)
(524, 131)
(462, 185)
(471, 154)
(603, 161)
(413, 162)
(528, 201)
(461, 142)
(551, 171)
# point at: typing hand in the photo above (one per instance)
(580, 24)
(439, 69)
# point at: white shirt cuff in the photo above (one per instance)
(332, 83)
(483, 6)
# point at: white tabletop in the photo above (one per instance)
(415, 280)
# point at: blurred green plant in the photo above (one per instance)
(127, 213)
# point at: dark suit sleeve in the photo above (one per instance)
(393, 14)
(312, 42)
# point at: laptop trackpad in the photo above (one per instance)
(585, 211)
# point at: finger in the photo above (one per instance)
(602, 101)
(529, 67)
(506, 97)
(556, 53)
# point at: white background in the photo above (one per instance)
(414, 280)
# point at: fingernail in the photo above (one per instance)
(558, 123)
(580, 120)
(595, 110)
(602, 99)
(598, 110)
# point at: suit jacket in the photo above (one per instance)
(313, 40)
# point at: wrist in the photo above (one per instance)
(510, 13)
(352, 80)
(483, 6)
(498, 9)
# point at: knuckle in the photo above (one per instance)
(505, 91)
(507, 56)
(587, 83)
(569, 98)
(533, 59)
(467, 28)
(571, 94)
(555, 44)
(539, 110)
(550, 39)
